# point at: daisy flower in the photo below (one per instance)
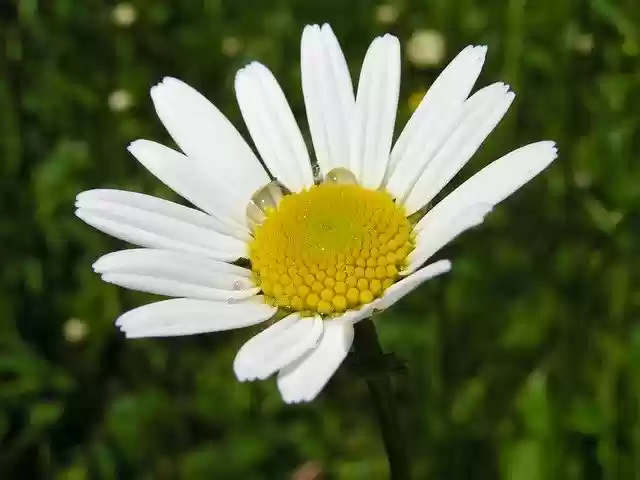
(310, 251)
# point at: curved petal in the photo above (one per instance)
(447, 92)
(152, 222)
(273, 127)
(302, 380)
(175, 288)
(205, 135)
(161, 206)
(277, 346)
(328, 96)
(176, 274)
(438, 234)
(493, 183)
(378, 89)
(213, 194)
(424, 148)
(398, 290)
(375, 111)
(484, 113)
(185, 316)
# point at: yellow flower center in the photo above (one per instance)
(330, 248)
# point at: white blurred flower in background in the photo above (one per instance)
(120, 100)
(386, 14)
(231, 46)
(75, 330)
(124, 14)
(426, 48)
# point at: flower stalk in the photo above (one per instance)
(373, 364)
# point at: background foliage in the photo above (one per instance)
(524, 362)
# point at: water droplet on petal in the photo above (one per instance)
(265, 199)
(340, 175)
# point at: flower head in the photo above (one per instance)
(324, 249)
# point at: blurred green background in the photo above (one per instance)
(524, 361)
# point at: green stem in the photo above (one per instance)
(369, 357)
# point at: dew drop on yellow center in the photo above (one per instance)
(331, 248)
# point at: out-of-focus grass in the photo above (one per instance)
(524, 361)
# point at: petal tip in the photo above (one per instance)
(240, 75)
(551, 144)
(293, 400)
(309, 29)
(168, 81)
(392, 41)
(241, 376)
(163, 86)
(446, 266)
(552, 148)
(136, 145)
(509, 97)
(326, 28)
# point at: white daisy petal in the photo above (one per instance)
(179, 266)
(447, 92)
(185, 316)
(368, 88)
(493, 183)
(212, 193)
(277, 346)
(206, 136)
(483, 112)
(156, 223)
(161, 206)
(328, 96)
(424, 147)
(302, 380)
(273, 127)
(175, 288)
(339, 71)
(398, 290)
(438, 234)
(376, 106)
(467, 206)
